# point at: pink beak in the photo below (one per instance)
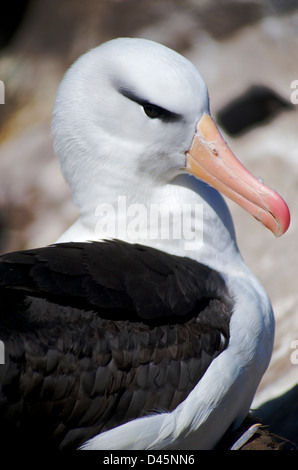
(211, 160)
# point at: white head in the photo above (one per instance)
(100, 123)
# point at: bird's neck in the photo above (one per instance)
(185, 218)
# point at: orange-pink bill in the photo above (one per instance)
(211, 160)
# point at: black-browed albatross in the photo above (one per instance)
(140, 340)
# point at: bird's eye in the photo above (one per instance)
(152, 111)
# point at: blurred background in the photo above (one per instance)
(247, 51)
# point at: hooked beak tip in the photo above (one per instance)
(211, 160)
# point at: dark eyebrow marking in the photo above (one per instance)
(165, 114)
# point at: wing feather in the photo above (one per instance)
(97, 334)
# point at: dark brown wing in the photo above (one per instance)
(97, 334)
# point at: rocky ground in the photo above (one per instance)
(237, 45)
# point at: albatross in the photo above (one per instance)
(141, 327)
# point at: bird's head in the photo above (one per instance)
(137, 110)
